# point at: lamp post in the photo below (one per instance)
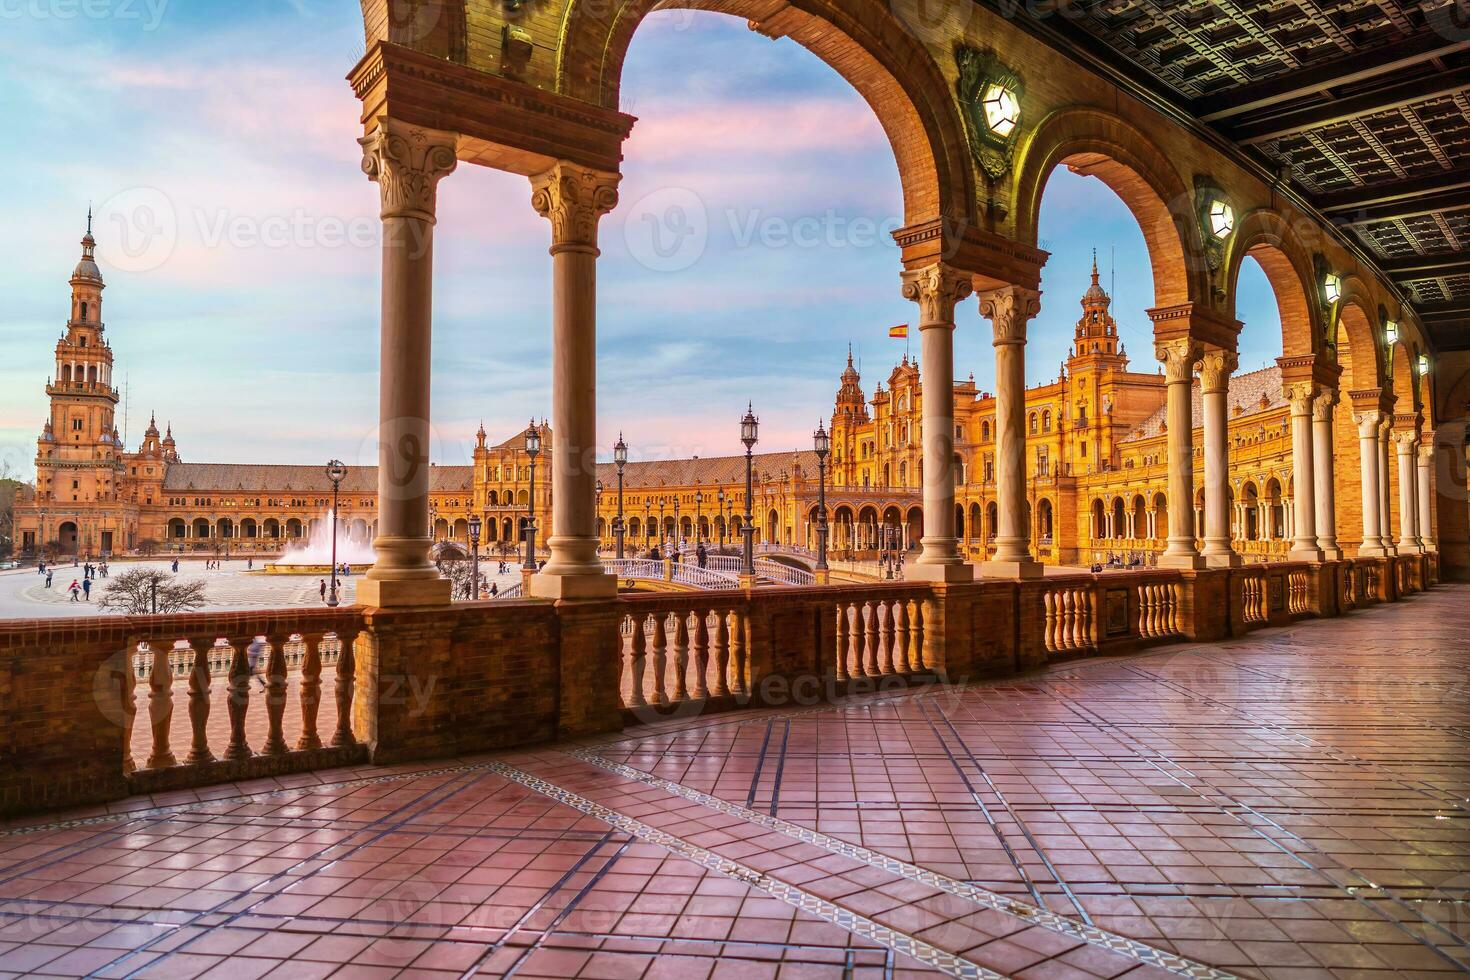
(620, 457)
(749, 428)
(720, 497)
(698, 517)
(661, 541)
(647, 520)
(336, 472)
(678, 528)
(533, 449)
(822, 443)
(599, 514)
(475, 556)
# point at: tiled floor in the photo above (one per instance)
(1289, 805)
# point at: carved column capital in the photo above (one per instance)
(407, 163)
(1009, 309)
(936, 288)
(574, 199)
(1426, 451)
(1405, 439)
(1179, 358)
(1323, 404)
(1215, 369)
(1368, 423)
(1301, 395)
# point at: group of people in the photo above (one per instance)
(80, 588)
(701, 556)
(1116, 562)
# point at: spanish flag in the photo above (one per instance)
(902, 330)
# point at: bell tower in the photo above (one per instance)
(79, 462)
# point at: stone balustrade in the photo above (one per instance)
(96, 709)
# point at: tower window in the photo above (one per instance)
(84, 311)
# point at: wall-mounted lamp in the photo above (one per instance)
(1331, 287)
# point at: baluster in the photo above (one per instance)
(128, 694)
(275, 696)
(160, 708)
(1145, 610)
(199, 682)
(1070, 632)
(1171, 592)
(344, 690)
(699, 639)
(884, 615)
(739, 654)
(869, 619)
(901, 637)
(637, 663)
(916, 635)
(660, 661)
(238, 701)
(310, 695)
(681, 656)
(720, 648)
(1089, 623)
(842, 640)
(1049, 621)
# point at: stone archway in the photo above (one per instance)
(1099, 144)
(1265, 236)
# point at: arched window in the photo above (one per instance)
(84, 311)
(1046, 421)
(1031, 423)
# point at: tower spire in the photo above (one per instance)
(1094, 266)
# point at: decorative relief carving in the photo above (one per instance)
(1215, 369)
(407, 163)
(936, 288)
(1179, 358)
(574, 199)
(1300, 394)
(1323, 403)
(1009, 309)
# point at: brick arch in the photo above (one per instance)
(1101, 144)
(1267, 237)
(1358, 349)
(1402, 377)
(861, 40)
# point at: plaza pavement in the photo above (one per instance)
(1290, 805)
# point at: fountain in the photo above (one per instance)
(314, 557)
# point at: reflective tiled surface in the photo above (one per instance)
(1292, 804)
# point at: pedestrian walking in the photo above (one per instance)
(176, 566)
(254, 652)
(324, 590)
(87, 588)
(76, 591)
(49, 573)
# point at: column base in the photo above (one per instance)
(822, 576)
(1332, 554)
(549, 585)
(1410, 549)
(391, 593)
(1185, 560)
(1372, 551)
(1305, 554)
(953, 572)
(1028, 568)
(1222, 559)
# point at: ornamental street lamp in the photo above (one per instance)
(661, 541)
(678, 528)
(620, 457)
(599, 514)
(475, 552)
(698, 517)
(336, 472)
(822, 442)
(533, 449)
(720, 496)
(749, 428)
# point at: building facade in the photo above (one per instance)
(1096, 473)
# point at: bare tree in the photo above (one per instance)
(148, 547)
(136, 591)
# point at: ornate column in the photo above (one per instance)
(1301, 395)
(1008, 309)
(937, 288)
(1385, 485)
(1322, 473)
(407, 163)
(1426, 521)
(1407, 441)
(1179, 357)
(1215, 369)
(1369, 425)
(573, 199)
